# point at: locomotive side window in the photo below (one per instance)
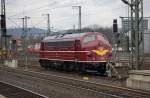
(89, 39)
(65, 43)
(51, 44)
(60, 43)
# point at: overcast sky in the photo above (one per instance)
(63, 16)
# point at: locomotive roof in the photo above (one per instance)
(65, 37)
(68, 37)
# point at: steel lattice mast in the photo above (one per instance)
(137, 33)
(3, 25)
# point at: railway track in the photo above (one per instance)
(90, 89)
(10, 91)
(91, 76)
(77, 91)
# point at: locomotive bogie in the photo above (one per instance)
(74, 66)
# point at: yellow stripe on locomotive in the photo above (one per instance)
(101, 51)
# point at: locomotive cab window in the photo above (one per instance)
(88, 39)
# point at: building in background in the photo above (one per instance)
(147, 41)
(126, 28)
(126, 25)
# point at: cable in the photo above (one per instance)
(37, 8)
(14, 22)
(96, 2)
(61, 5)
(67, 5)
(39, 22)
(54, 6)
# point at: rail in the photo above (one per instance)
(91, 88)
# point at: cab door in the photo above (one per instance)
(77, 49)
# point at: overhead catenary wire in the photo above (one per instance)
(56, 6)
(37, 8)
(17, 25)
(43, 6)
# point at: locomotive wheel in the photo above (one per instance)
(82, 68)
(58, 65)
(76, 67)
(67, 66)
(70, 67)
(64, 66)
(102, 69)
(41, 63)
(46, 64)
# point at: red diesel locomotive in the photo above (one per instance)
(80, 51)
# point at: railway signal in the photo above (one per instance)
(115, 39)
(115, 26)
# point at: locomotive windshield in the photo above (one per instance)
(89, 38)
